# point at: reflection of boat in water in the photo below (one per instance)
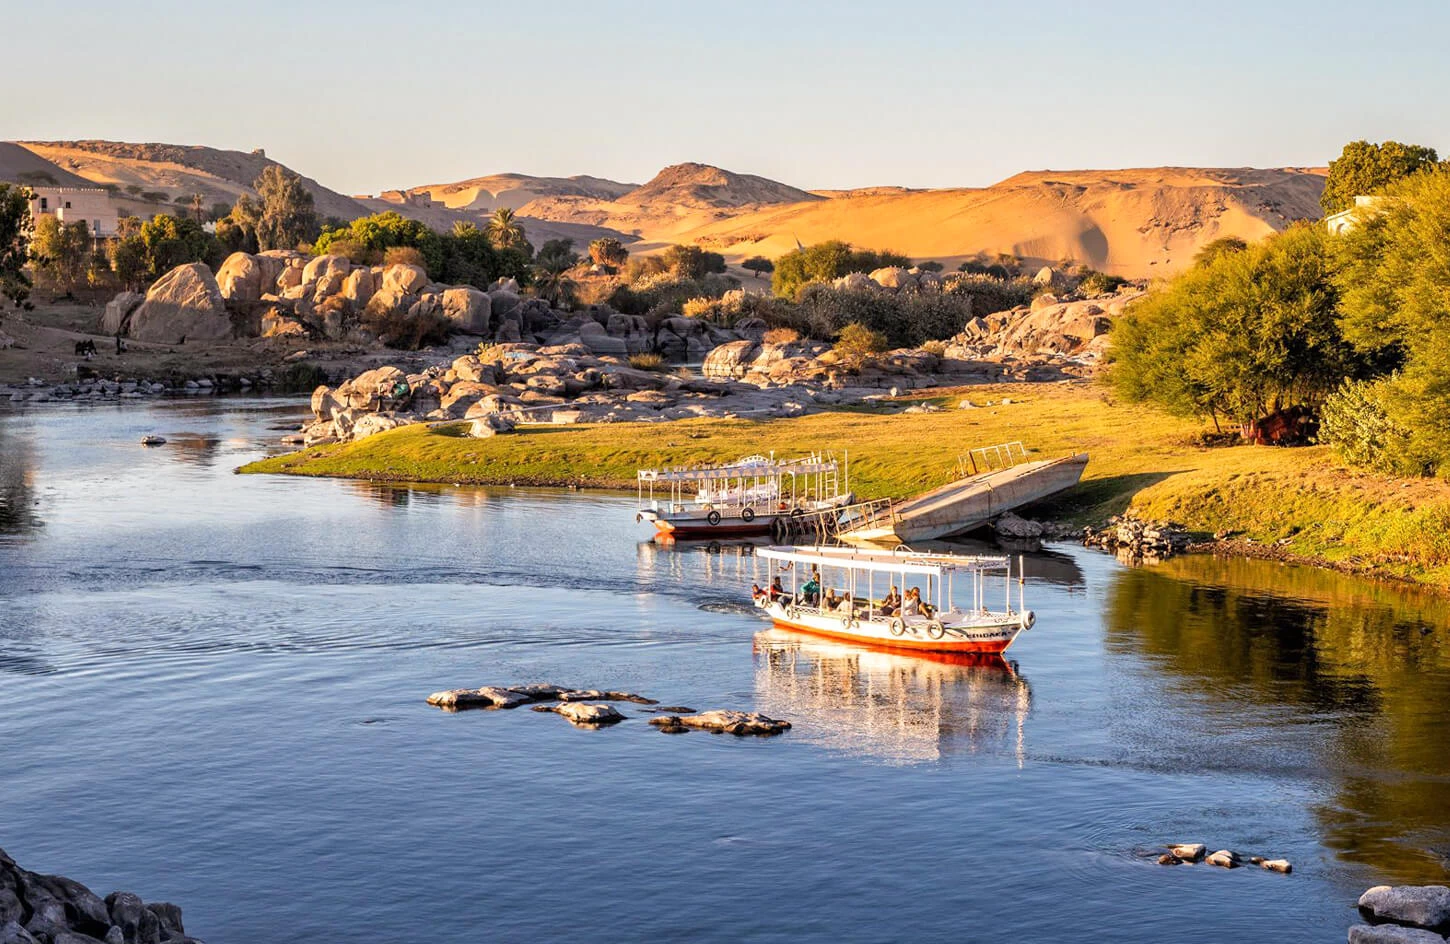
(741, 498)
(981, 493)
(930, 621)
(885, 703)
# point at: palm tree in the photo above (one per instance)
(552, 282)
(504, 231)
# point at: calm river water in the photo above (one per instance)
(211, 692)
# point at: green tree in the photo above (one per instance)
(1365, 168)
(552, 282)
(758, 264)
(557, 254)
(61, 252)
(1394, 282)
(1245, 334)
(825, 261)
(692, 262)
(283, 215)
(160, 245)
(14, 244)
(505, 230)
(1222, 246)
(608, 251)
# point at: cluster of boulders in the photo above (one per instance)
(50, 909)
(893, 279)
(817, 365)
(291, 296)
(504, 385)
(1069, 334)
(1189, 852)
(1403, 914)
(582, 707)
(1137, 539)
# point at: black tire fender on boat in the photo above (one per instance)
(1028, 619)
(792, 611)
(849, 622)
(713, 517)
(797, 512)
(897, 626)
(935, 629)
(747, 514)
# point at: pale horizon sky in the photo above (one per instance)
(366, 96)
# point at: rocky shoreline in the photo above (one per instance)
(52, 909)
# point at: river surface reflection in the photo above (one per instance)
(211, 691)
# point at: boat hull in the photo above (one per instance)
(970, 503)
(981, 638)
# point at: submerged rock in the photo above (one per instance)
(486, 697)
(1169, 858)
(594, 694)
(1426, 906)
(725, 722)
(583, 713)
(1392, 934)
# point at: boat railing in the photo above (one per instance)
(991, 459)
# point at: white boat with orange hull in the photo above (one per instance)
(833, 592)
(738, 499)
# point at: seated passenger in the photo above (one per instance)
(811, 592)
(891, 604)
(777, 592)
(845, 605)
(830, 600)
(756, 592)
(912, 604)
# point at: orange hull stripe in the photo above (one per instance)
(927, 645)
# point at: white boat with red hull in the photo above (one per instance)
(738, 499)
(833, 592)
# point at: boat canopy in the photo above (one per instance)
(749, 466)
(894, 562)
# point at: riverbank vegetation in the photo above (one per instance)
(1351, 327)
(1297, 503)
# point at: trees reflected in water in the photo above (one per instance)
(1349, 676)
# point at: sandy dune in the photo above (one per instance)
(485, 194)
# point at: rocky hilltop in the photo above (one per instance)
(220, 176)
(486, 194)
(705, 186)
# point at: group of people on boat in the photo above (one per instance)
(893, 604)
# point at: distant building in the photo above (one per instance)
(1345, 220)
(407, 198)
(89, 205)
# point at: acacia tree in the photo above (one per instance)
(283, 215)
(61, 251)
(1365, 168)
(14, 244)
(758, 264)
(608, 251)
(1243, 335)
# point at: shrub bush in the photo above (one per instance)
(401, 255)
(782, 336)
(935, 348)
(1099, 283)
(825, 261)
(1355, 422)
(647, 361)
(398, 329)
(904, 320)
(857, 344)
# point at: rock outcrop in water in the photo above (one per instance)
(1134, 539)
(496, 696)
(724, 722)
(51, 909)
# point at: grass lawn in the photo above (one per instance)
(1141, 460)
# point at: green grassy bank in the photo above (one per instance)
(1153, 464)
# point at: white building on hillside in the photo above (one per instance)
(1345, 220)
(89, 205)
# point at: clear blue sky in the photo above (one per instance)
(368, 95)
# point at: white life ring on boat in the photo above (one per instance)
(849, 622)
(1028, 619)
(747, 514)
(935, 629)
(792, 611)
(897, 626)
(713, 517)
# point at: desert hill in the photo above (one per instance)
(220, 176)
(485, 194)
(21, 166)
(705, 187)
(1135, 222)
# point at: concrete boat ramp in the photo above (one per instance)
(1004, 480)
